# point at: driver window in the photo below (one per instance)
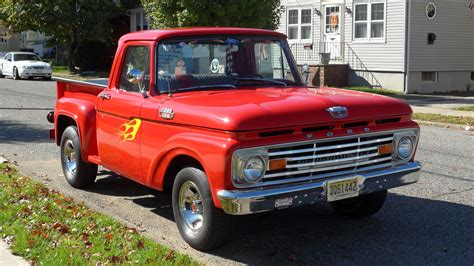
(135, 76)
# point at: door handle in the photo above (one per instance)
(105, 96)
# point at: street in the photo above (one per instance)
(431, 222)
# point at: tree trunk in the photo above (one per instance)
(70, 54)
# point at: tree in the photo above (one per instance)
(66, 22)
(232, 13)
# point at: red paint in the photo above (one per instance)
(208, 125)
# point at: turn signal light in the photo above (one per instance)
(277, 164)
(385, 149)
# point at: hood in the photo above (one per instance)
(31, 63)
(265, 108)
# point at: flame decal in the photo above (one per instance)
(128, 131)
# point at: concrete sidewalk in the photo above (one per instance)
(439, 104)
(7, 259)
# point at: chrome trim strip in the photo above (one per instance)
(333, 161)
(240, 202)
(341, 166)
(330, 154)
(322, 176)
(326, 147)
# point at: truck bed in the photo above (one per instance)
(77, 88)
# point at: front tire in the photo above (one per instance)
(16, 76)
(78, 174)
(361, 206)
(200, 223)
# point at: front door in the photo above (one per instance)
(7, 65)
(118, 117)
(332, 31)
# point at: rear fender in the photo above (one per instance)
(84, 114)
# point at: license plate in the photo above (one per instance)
(342, 189)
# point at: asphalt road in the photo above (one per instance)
(431, 222)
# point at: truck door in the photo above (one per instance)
(118, 112)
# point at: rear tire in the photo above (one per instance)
(1, 73)
(16, 76)
(78, 174)
(47, 78)
(200, 223)
(361, 206)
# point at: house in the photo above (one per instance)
(8, 41)
(138, 19)
(412, 46)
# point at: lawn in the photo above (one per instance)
(63, 72)
(376, 91)
(46, 227)
(460, 120)
(469, 108)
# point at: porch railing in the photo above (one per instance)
(318, 53)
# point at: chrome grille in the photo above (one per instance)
(329, 158)
(38, 67)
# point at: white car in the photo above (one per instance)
(24, 65)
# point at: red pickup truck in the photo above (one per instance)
(223, 119)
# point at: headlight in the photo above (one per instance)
(248, 166)
(405, 147)
(24, 67)
(405, 143)
(253, 170)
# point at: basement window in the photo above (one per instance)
(429, 76)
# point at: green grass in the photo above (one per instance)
(469, 108)
(60, 70)
(63, 72)
(460, 120)
(46, 227)
(376, 91)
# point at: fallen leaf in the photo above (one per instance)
(140, 244)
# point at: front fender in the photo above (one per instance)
(84, 114)
(213, 152)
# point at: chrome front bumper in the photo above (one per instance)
(240, 202)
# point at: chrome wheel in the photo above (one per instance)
(70, 157)
(190, 207)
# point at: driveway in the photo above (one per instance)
(431, 222)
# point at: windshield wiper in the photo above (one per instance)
(261, 79)
(207, 87)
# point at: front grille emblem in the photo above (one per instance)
(337, 111)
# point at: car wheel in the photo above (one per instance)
(200, 223)
(47, 78)
(78, 174)
(361, 206)
(16, 76)
(1, 73)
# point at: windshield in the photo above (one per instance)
(225, 62)
(26, 57)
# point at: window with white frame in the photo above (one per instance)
(299, 24)
(140, 22)
(369, 20)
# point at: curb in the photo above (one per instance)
(446, 125)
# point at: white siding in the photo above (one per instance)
(311, 56)
(386, 56)
(453, 25)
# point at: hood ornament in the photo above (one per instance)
(337, 111)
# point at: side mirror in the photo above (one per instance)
(134, 76)
(305, 72)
